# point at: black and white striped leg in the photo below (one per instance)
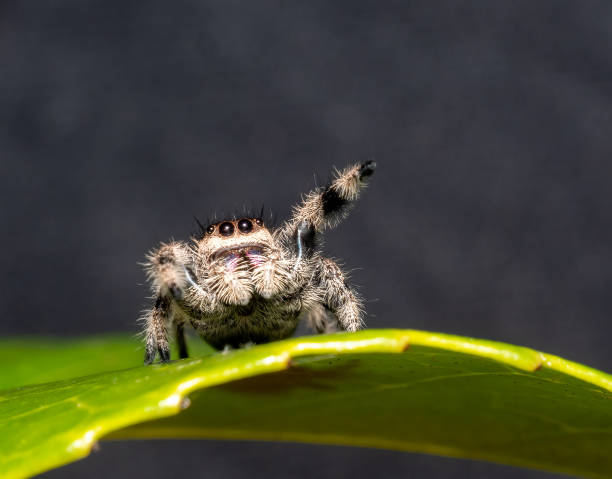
(325, 207)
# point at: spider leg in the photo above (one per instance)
(304, 242)
(170, 271)
(180, 341)
(320, 320)
(325, 207)
(338, 297)
(156, 335)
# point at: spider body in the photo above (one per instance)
(241, 283)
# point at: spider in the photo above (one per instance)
(239, 283)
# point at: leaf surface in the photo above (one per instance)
(444, 395)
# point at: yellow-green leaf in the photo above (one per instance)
(445, 395)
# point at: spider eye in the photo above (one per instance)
(245, 225)
(259, 222)
(211, 229)
(226, 229)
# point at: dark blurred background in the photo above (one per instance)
(489, 215)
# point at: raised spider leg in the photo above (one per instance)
(339, 297)
(325, 207)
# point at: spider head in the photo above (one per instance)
(236, 237)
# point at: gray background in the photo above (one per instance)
(489, 214)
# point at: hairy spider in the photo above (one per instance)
(240, 283)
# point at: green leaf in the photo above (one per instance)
(446, 395)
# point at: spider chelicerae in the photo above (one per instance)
(239, 282)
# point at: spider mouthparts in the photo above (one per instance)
(248, 250)
(236, 256)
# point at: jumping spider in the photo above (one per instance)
(240, 283)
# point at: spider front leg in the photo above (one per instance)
(156, 336)
(168, 269)
(338, 296)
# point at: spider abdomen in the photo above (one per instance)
(256, 322)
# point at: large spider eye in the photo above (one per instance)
(245, 225)
(226, 229)
(211, 229)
